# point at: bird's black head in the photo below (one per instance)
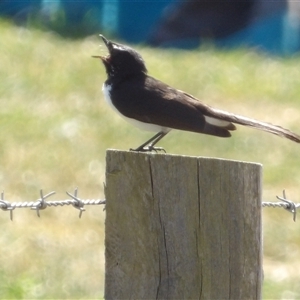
(122, 60)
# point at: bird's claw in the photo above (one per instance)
(148, 148)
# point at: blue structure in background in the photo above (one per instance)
(276, 34)
(129, 20)
(14, 9)
(138, 18)
(134, 22)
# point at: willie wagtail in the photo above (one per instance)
(153, 105)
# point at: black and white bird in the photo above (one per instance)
(155, 106)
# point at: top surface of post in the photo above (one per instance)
(170, 155)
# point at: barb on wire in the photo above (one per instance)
(78, 203)
(289, 205)
(6, 206)
(41, 203)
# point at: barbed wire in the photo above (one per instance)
(289, 205)
(76, 202)
(41, 203)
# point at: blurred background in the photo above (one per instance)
(273, 26)
(55, 126)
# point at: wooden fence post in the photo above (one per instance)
(180, 227)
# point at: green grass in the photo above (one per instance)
(55, 128)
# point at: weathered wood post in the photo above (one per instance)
(180, 227)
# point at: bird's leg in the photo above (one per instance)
(149, 145)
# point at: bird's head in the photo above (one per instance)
(121, 60)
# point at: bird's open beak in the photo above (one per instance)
(108, 44)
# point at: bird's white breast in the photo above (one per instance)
(106, 89)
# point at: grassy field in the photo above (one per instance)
(55, 128)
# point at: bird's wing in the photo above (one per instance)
(168, 107)
(165, 106)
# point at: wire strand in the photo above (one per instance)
(41, 203)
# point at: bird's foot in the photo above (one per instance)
(148, 148)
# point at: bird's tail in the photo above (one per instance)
(236, 119)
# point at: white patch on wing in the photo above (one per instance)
(216, 122)
(144, 126)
